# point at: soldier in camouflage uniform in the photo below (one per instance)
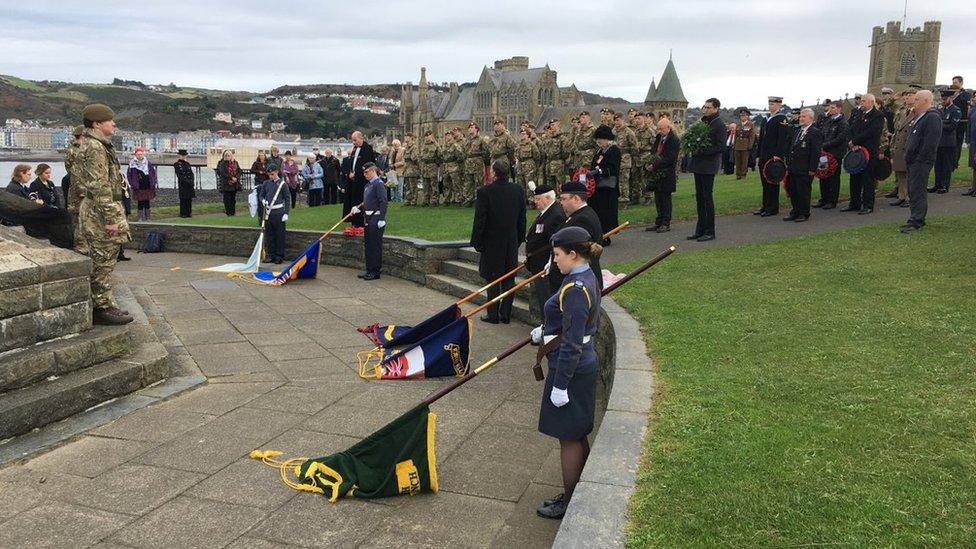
(640, 173)
(476, 156)
(606, 117)
(570, 144)
(502, 144)
(451, 156)
(584, 144)
(411, 169)
(626, 141)
(632, 119)
(554, 151)
(529, 160)
(101, 216)
(75, 190)
(430, 157)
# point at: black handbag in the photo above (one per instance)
(608, 182)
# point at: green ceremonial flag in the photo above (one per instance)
(397, 459)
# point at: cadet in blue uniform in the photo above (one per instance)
(278, 208)
(374, 208)
(569, 398)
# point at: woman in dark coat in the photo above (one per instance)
(229, 181)
(664, 177)
(569, 398)
(605, 167)
(142, 179)
(44, 188)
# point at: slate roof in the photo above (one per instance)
(437, 102)
(669, 89)
(651, 92)
(464, 106)
(529, 76)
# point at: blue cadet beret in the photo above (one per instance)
(574, 187)
(570, 235)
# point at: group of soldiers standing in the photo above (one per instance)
(448, 171)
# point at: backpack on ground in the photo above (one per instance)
(154, 242)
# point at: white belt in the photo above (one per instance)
(547, 338)
(278, 206)
(372, 212)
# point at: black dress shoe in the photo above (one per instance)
(706, 237)
(123, 258)
(865, 211)
(489, 319)
(850, 208)
(892, 194)
(801, 218)
(766, 214)
(758, 212)
(970, 192)
(829, 206)
(361, 275)
(931, 189)
(695, 236)
(372, 276)
(652, 228)
(898, 202)
(941, 191)
(819, 205)
(904, 204)
(910, 228)
(790, 217)
(505, 320)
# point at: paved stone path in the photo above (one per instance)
(735, 230)
(281, 368)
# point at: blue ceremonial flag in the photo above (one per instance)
(306, 265)
(442, 353)
(392, 335)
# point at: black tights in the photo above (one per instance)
(572, 456)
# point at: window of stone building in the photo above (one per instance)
(909, 64)
(878, 68)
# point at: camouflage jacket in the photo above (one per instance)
(100, 176)
(626, 140)
(527, 152)
(585, 140)
(76, 191)
(645, 145)
(554, 148)
(452, 155)
(502, 145)
(430, 154)
(411, 160)
(476, 153)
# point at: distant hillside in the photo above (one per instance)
(597, 99)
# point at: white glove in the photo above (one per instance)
(381, 224)
(559, 397)
(355, 210)
(284, 217)
(537, 335)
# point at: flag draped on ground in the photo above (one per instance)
(391, 335)
(251, 266)
(441, 353)
(398, 459)
(306, 265)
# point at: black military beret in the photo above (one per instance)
(603, 132)
(570, 235)
(948, 93)
(542, 189)
(574, 187)
(182, 152)
(584, 113)
(369, 166)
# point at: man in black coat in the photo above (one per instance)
(537, 247)
(356, 181)
(705, 164)
(961, 99)
(835, 138)
(774, 142)
(330, 176)
(920, 154)
(572, 197)
(663, 178)
(499, 230)
(866, 129)
(804, 158)
(184, 182)
(947, 156)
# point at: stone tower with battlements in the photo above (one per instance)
(902, 57)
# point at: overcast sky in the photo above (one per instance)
(738, 50)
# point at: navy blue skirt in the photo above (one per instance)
(574, 420)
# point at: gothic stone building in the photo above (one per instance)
(514, 92)
(899, 58)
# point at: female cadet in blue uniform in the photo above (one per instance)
(569, 398)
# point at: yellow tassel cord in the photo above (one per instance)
(247, 277)
(268, 458)
(367, 370)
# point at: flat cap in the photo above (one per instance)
(97, 112)
(574, 187)
(570, 235)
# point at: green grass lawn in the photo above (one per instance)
(815, 391)
(454, 223)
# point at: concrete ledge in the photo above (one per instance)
(597, 514)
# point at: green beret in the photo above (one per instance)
(96, 112)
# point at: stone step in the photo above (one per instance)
(459, 288)
(467, 272)
(48, 401)
(471, 256)
(60, 357)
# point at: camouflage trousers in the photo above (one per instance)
(638, 184)
(428, 195)
(526, 172)
(410, 190)
(624, 178)
(453, 187)
(104, 254)
(555, 175)
(474, 178)
(81, 245)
